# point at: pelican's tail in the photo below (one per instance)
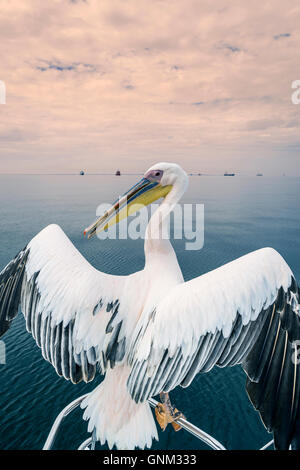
(116, 417)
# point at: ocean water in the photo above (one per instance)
(241, 214)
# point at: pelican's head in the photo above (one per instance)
(158, 181)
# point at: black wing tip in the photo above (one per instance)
(273, 383)
(11, 279)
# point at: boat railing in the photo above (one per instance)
(89, 444)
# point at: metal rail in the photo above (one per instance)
(89, 443)
(192, 429)
(55, 427)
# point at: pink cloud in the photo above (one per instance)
(111, 86)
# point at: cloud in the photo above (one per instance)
(279, 36)
(45, 65)
(278, 123)
(128, 86)
(120, 19)
(110, 83)
(263, 124)
(230, 47)
(13, 135)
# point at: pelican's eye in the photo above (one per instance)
(154, 175)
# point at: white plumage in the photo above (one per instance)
(151, 331)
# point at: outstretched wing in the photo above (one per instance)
(244, 312)
(76, 314)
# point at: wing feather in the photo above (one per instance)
(246, 312)
(74, 312)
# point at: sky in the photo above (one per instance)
(100, 85)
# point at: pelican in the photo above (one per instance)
(151, 331)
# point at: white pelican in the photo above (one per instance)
(151, 331)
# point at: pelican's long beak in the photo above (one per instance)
(141, 194)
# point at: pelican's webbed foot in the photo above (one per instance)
(165, 413)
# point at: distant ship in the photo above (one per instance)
(81, 173)
(259, 174)
(118, 173)
(229, 174)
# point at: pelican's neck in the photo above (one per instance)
(157, 241)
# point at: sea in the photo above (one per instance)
(241, 214)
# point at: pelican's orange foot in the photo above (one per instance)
(165, 415)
